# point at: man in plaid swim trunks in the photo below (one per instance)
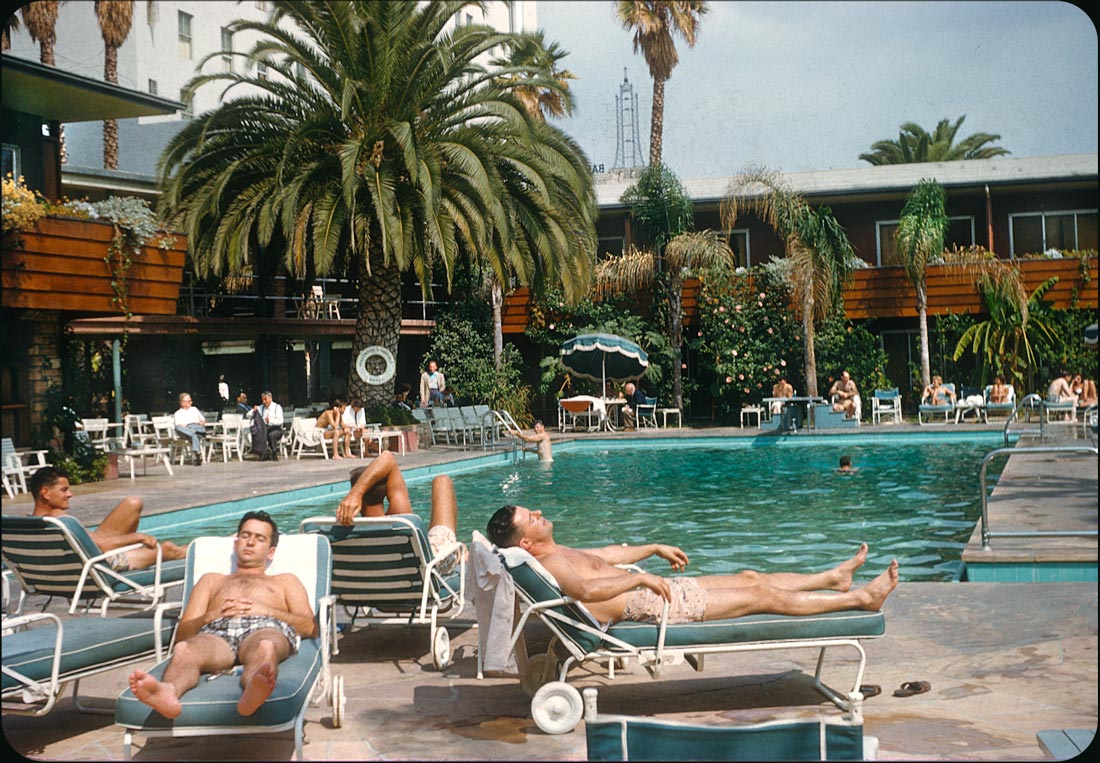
(248, 617)
(612, 594)
(382, 481)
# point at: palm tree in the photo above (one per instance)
(535, 79)
(11, 25)
(819, 257)
(915, 145)
(378, 141)
(663, 212)
(655, 23)
(40, 18)
(920, 238)
(115, 18)
(1005, 340)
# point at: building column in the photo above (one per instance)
(43, 362)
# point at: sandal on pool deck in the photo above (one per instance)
(870, 690)
(909, 688)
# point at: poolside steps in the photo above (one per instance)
(1038, 493)
(826, 418)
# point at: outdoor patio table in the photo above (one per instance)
(787, 411)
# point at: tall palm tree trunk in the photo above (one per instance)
(657, 122)
(809, 357)
(498, 322)
(675, 333)
(378, 324)
(110, 126)
(922, 321)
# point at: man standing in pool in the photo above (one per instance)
(613, 595)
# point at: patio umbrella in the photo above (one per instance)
(1090, 335)
(604, 356)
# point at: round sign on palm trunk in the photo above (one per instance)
(375, 365)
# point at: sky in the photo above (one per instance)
(795, 86)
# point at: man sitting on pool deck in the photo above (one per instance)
(382, 480)
(52, 493)
(247, 617)
(612, 594)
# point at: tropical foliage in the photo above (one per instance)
(655, 24)
(379, 137)
(920, 239)
(914, 144)
(1006, 341)
(663, 211)
(819, 259)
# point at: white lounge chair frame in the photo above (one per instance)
(652, 658)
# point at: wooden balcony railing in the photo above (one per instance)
(887, 293)
(60, 265)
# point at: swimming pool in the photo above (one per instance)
(730, 503)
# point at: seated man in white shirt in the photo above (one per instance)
(272, 415)
(190, 425)
(355, 424)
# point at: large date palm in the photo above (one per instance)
(915, 144)
(115, 18)
(655, 23)
(379, 140)
(819, 257)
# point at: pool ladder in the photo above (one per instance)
(987, 533)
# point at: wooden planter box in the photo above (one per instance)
(60, 266)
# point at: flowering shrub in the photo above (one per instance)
(22, 207)
(750, 338)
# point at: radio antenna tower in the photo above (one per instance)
(628, 149)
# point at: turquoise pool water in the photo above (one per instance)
(731, 504)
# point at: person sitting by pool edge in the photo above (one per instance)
(612, 594)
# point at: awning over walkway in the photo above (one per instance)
(236, 328)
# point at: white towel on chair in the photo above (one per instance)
(494, 598)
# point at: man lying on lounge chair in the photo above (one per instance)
(50, 488)
(382, 481)
(612, 594)
(247, 617)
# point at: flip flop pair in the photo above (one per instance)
(910, 688)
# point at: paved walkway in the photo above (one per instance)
(1005, 660)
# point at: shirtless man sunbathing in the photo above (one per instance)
(52, 494)
(612, 594)
(380, 482)
(248, 617)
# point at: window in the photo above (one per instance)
(227, 49)
(469, 19)
(11, 165)
(185, 34)
(1034, 232)
(739, 243)
(960, 233)
(187, 99)
(152, 87)
(152, 12)
(610, 245)
(261, 5)
(261, 71)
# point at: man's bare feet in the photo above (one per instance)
(159, 696)
(337, 457)
(846, 570)
(878, 589)
(257, 690)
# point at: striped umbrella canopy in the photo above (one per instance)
(1090, 335)
(604, 356)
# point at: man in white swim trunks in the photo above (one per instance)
(382, 481)
(248, 617)
(612, 594)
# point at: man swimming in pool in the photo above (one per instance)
(612, 594)
(248, 617)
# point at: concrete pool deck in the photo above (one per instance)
(1005, 660)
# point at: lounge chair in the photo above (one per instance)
(621, 737)
(647, 414)
(43, 654)
(421, 415)
(1059, 411)
(927, 411)
(556, 705)
(56, 556)
(1007, 408)
(18, 465)
(211, 707)
(384, 567)
(306, 438)
(886, 402)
